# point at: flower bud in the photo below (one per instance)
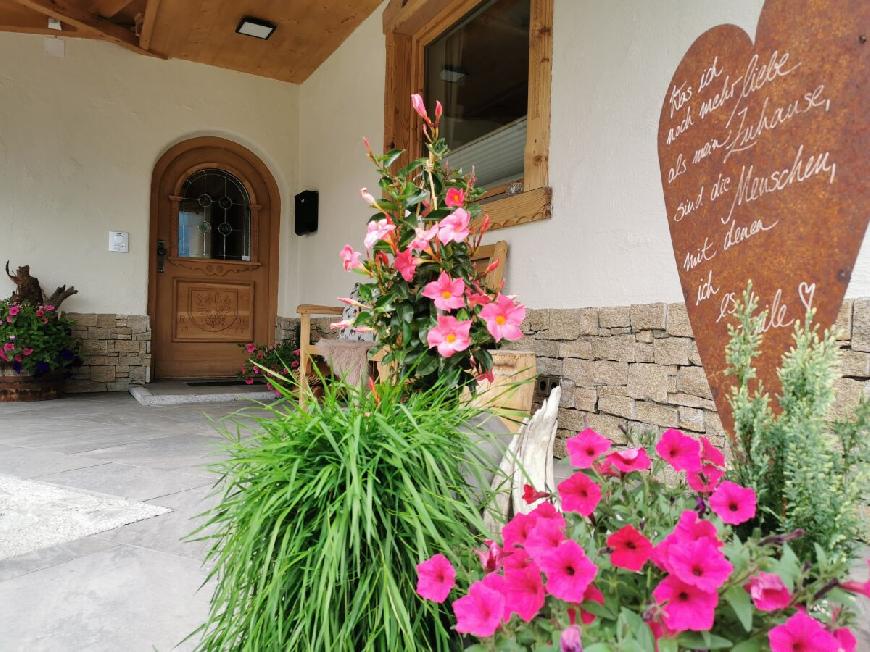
(367, 196)
(570, 639)
(419, 106)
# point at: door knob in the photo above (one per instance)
(161, 256)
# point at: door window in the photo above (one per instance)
(214, 217)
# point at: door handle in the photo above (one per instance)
(161, 256)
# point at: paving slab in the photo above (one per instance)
(30, 462)
(134, 482)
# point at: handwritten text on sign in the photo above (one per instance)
(764, 152)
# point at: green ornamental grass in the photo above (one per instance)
(325, 513)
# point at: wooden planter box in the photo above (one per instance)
(18, 387)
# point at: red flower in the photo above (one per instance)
(732, 503)
(531, 496)
(480, 612)
(579, 493)
(628, 460)
(435, 577)
(800, 632)
(700, 564)
(681, 452)
(569, 571)
(593, 594)
(586, 447)
(631, 549)
(686, 606)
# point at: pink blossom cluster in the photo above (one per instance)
(537, 559)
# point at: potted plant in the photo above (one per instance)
(37, 348)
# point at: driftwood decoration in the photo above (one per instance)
(28, 289)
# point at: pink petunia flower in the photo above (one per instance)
(768, 592)
(699, 563)
(503, 318)
(689, 528)
(480, 612)
(490, 556)
(845, 639)
(681, 452)
(454, 198)
(569, 571)
(586, 447)
(450, 335)
(406, 265)
(446, 292)
(377, 231)
(801, 632)
(9, 346)
(706, 480)
(628, 460)
(250, 347)
(350, 259)
(422, 238)
(630, 548)
(686, 607)
(544, 537)
(27, 351)
(570, 640)
(592, 594)
(579, 493)
(496, 582)
(249, 381)
(435, 578)
(517, 559)
(516, 531)
(710, 454)
(454, 227)
(547, 511)
(49, 308)
(524, 591)
(14, 310)
(732, 503)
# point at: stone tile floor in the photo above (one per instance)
(133, 588)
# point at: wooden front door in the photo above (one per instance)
(213, 258)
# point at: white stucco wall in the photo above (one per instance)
(608, 240)
(79, 137)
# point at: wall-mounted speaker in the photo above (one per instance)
(306, 211)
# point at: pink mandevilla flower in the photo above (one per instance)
(350, 259)
(377, 231)
(406, 265)
(503, 318)
(524, 591)
(732, 503)
(477, 298)
(446, 292)
(422, 238)
(480, 612)
(630, 549)
(420, 106)
(455, 197)
(686, 606)
(544, 537)
(435, 577)
(569, 571)
(681, 452)
(801, 632)
(454, 227)
(579, 493)
(450, 335)
(768, 592)
(586, 447)
(700, 564)
(628, 460)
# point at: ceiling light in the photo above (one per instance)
(54, 23)
(256, 27)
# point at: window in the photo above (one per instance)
(488, 62)
(214, 217)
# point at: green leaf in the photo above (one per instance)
(703, 641)
(390, 157)
(668, 645)
(751, 645)
(738, 599)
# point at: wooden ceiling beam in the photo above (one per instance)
(44, 31)
(108, 8)
(84, 21)
(148, 22)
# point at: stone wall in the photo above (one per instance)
(115, 351)
(638, 366)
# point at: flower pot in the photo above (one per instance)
(19, 387)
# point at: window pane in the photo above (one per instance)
(479, 69)
(214, 217)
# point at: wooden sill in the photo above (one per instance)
(512, 210)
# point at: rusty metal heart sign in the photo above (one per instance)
(764, 149)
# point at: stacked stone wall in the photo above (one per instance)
(115, 352)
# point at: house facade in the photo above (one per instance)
(103, 140)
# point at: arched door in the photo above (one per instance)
(213, 259)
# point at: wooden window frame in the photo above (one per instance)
(409, 26)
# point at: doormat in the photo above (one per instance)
(35, 515)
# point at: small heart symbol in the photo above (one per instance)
(764, 151)
(807, 291)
